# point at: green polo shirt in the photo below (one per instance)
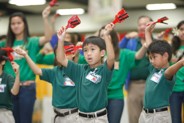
(157, 93)
(179, 85)
(90, 96)
(45, 59)
(33, 48)
(126, 62)
(64, 91)
(6, 84)
(140, 71)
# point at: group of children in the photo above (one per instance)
(80, 91)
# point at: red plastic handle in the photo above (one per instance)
(120, 16)
(73, 22)
(53, 3)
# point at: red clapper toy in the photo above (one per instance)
(9, 51)
(73, 22)
(161, 20)
(53, 3)
(167, 31)
(120, 16)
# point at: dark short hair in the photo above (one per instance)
(160, 47)
(3, 55)
(96, 41)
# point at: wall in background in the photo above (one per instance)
(89, 24)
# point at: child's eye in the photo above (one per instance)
(85, 50)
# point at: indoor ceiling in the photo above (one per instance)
(6, 9)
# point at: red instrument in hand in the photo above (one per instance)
(141, 35)
(120, 16)
(167, 31)
(9, 51)
(73, 22)
(53, 3)
(161, 20)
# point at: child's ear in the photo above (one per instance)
(102, 53)
(166, 56)
(3, 62)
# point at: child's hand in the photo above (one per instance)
(108, 28)
(61, 33)
(46, 12)
(150, 27)
(131, 35)
(15, 67)
(20, 51)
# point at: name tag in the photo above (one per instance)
(68, 82)
(116, 65)
(93, 77)
(156, 77)
(2, 88)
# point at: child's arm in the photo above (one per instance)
(60, 53)
(16, 85)
(170, 71)
(109, 46)
(148, 36)
(32, 65)
(48, 31)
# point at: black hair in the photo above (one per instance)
(3, 55)
(2, 37)
(176, 42)
(11, 36)
(96, 41)
(115, 41)
(66, 43)
(160, 47)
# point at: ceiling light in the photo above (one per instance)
(27, 2)
(75, 11)
(160, 6)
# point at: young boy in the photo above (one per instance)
(91, 79)
(159, 83)
(8, 86)
(64, 92)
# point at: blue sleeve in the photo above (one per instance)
(54, 41)
(123, 42)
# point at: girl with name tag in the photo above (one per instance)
(64, 92)
(8, 86)
(160, 82)
(91, 79)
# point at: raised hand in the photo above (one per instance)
(46, 12)
(150, 27)
(108, 28)
(61, 33)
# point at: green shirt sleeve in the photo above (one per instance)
(47, 75)
(45, 59)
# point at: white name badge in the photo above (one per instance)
(156, 77)
(2, 88)
(93, 77)
(68, 82)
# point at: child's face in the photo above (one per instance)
(93, 54)
(157, 60)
